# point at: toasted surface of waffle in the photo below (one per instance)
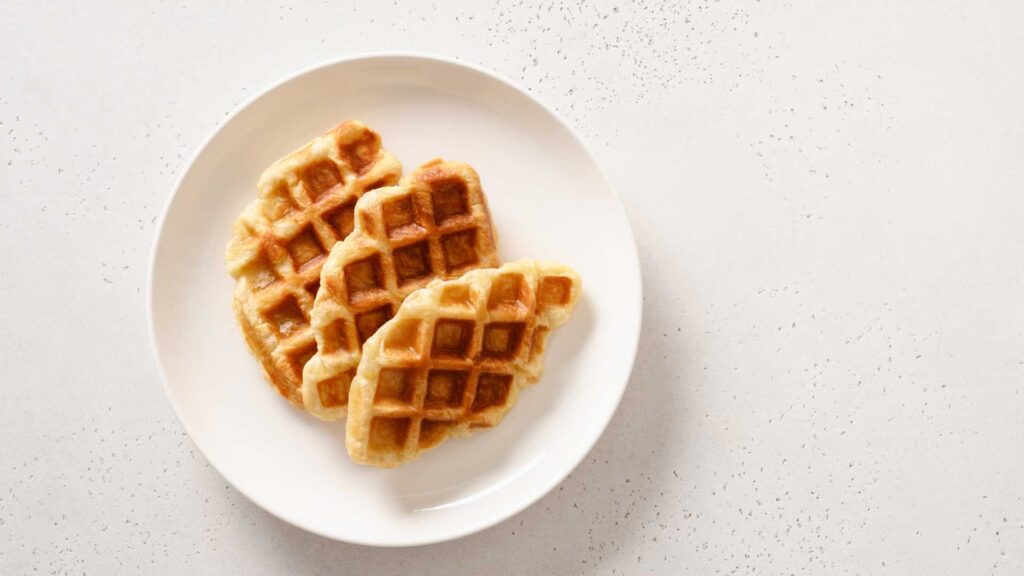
(436, 224)
(454, 358)
(305, 205)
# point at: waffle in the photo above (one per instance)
(434, 225)
(304, 206)
(454, 358)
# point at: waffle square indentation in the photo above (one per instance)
(342, 218)
(459, 249)
(452, 338)
(360, 153)
(450, 199)
(320, 177)
(404, 338)
(287, 317)
(333, 392)
(336, 336)
(445, 388)
(553, 291)
(367, 323)
(453, 295)
(363, 277)
(305, 249)
(298, 358)
(508, 292)
(279, 203)
(401, 217)
(395, 386)
(389, 434)
(432, 432)
(412, 262)
(491, 390)
(502, 340)
(261, 272)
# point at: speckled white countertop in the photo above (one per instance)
(828, 202)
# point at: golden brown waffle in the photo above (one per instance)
(304, 206)
(454, 358)
(434, 225)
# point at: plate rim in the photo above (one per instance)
(486, 521)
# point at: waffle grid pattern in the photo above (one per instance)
(435, 225)
(305, 205)
(455, 358)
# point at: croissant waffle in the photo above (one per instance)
(304, 206)
(434, 225)
(454, 358)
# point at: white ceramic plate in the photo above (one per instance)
(549, 199)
